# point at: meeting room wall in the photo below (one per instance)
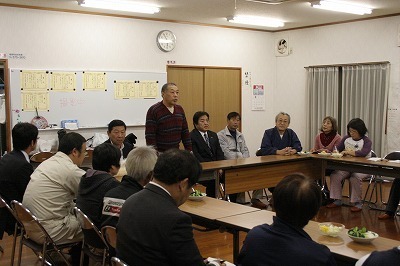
(67, 41)
(365, 41)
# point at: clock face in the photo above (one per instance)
(166, 40)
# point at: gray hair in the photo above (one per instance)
(140, 162)
(282, 113)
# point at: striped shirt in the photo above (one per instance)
(165, 130)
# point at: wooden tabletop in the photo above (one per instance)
(251, 161)
(341, 245)
(212, 209)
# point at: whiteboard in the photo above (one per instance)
(90, 108)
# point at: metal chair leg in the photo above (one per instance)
(82, 253)
(15, 235)
(374, 188)
(20, 248)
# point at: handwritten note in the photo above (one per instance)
(94, 81)
(63, 81)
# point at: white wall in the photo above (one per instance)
(56, 40)
(367, 41)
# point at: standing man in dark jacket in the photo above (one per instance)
(15, 171)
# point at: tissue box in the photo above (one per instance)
(68, 123)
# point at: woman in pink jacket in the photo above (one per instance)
(328, 139)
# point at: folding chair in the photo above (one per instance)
(40, 157)
(29, 223)
(378, 181)
(92, 239)
(6, 207)
(117, 262)
(110, 235)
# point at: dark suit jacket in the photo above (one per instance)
(282, 244)
(15, 173)
(153, 231)
(127, 148)
(201, 150)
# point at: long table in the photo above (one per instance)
(252, 173)
(342, 246)
(236, 218)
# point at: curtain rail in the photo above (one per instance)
(351, 64)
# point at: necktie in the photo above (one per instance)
(207, 140)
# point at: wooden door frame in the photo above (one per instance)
(4, 62)
(216, 67)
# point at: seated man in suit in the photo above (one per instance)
(205, 145)
(393, 202)
(381, 258)
(116, 133)
(296, 200)
(151, 228)
(139, 168)
(15, 171)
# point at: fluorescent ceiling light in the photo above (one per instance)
(120, 5)
(341, 6)
(258, 21)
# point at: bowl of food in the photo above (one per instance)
(303, 153)
(362, 235)
(324, 153)
(197, 195)
(330, 228)
(337, 155)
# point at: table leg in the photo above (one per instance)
(216, 175)
(235, 245)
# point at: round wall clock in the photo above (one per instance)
(166, 40)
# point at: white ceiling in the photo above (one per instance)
(295, 13)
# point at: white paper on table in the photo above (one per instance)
(227, 263)
(394, 161)
(374, 159)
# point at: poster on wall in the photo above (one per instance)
(258, 98)
(247, 80)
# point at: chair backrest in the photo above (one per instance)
(373, 154)
(41, 156)
(3, 204)
(110, 234)
(393, 156)
(117, 262)
(29, 222)
(92, 236)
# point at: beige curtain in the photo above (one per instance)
(364, 95)
(323, 95)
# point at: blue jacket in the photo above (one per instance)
(282, 244)
(272, 141)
